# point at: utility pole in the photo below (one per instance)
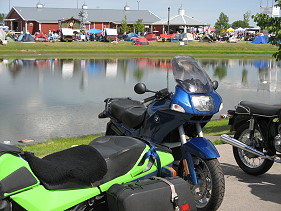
(138, 5)
(168, 32)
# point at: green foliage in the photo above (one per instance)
(222, 23)
(124, 25)
(273, 25)
(139, 26)
(239, 23)
(2, 16)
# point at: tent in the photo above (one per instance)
(151, 37)
(206, 38)
(141, 41)
(41, 37)
(230, 30)
(94, 31)
(261, 39)
(10, 38)
(131, 37)
(27, 38)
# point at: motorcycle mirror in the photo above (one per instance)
(215, 84)
(140, 88)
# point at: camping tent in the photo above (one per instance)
(206, 38)
(151, 37)
(41, 37)
(261, 39)
(131, 37)
(27, 38)
(141, 41)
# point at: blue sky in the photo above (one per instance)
(204, 10)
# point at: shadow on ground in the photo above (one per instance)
(267, 186)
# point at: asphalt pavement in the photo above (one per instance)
(247, 192)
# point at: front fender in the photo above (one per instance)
(201, 147)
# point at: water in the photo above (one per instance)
(47, 98)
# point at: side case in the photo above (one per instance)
(150, 195)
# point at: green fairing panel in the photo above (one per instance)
(40, 198)
(10, 163)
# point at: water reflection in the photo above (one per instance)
(47, 98)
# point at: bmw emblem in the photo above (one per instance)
(156, 119)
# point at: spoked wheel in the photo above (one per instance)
(209, 191)
(248, 162)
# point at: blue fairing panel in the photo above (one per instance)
(201, 147)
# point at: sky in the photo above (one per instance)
(205, 10)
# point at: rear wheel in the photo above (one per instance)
(209, 192)
(248, 162)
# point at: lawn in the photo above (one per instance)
(156, 49)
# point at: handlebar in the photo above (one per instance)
(148, 99)
(164, 93)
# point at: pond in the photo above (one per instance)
(47, 98)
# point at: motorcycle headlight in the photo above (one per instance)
(203, 103)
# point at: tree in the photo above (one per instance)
(246, 20)
(124, 25)
(2, 16)
(273, 25)
(222, 23)
(139, 26)
(237, 24)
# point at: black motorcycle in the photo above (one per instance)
(257, 138)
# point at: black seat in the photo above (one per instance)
(258, 109)
(75, 167)
(120, 152)
(127, 111)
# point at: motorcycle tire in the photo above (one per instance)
(209, 192)
(255, 165)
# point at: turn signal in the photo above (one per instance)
(177, 107)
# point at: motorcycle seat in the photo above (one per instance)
(75, 167)
(130, 112)
(120, 153)
(258, 109)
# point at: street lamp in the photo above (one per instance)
(138, 5)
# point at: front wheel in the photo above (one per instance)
(248, 162)
(209, 191)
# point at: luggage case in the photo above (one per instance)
(155, 194)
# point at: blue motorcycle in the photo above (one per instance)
(175, 120)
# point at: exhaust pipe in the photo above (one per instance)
(227, 139)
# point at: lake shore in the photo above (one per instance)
(124, 49)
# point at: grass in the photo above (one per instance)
(213, 128)
(123, 48)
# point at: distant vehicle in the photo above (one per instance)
(67, 35)
(110, 34)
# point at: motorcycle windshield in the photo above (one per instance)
(190, 76)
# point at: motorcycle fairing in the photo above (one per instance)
(14, 168)
(183, 98)
(201, 147)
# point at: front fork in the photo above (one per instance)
(187, 156)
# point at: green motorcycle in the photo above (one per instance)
(77, 178)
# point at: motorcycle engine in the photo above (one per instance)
(277, 140)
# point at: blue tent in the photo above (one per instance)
(130, 36)
(27, 38)
(94, 31)
(261, 39)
